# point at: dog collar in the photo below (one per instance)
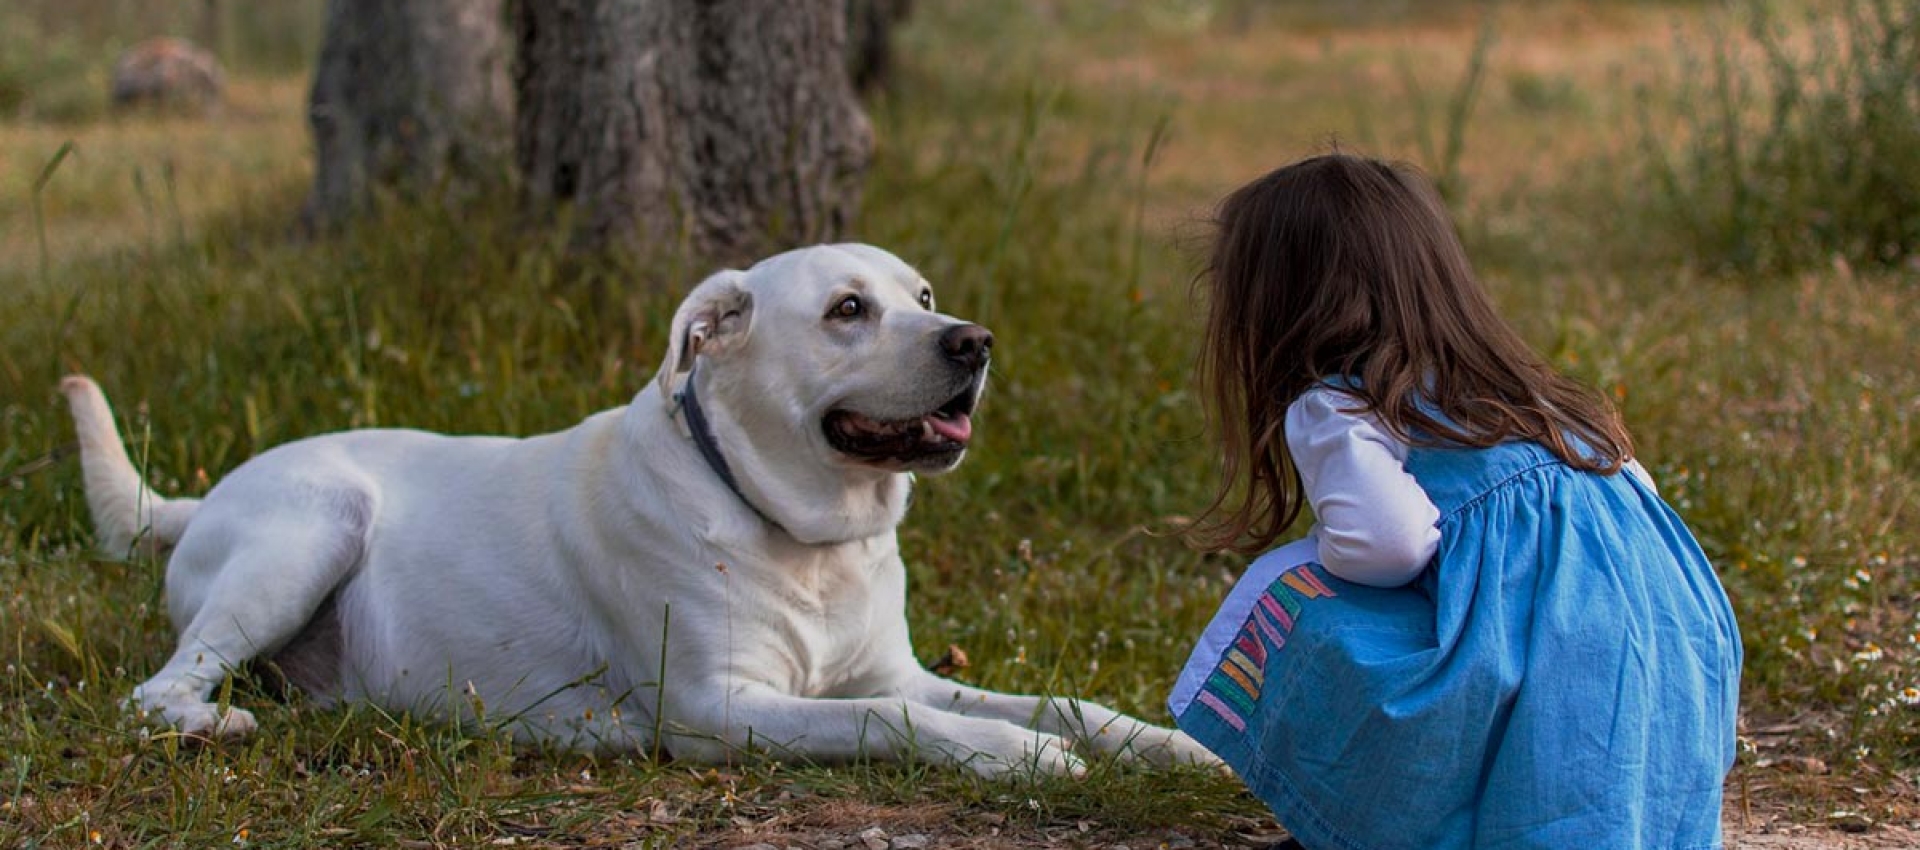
(709, 448)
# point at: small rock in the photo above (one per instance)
(830, 844)
(760, 846)
(1849, 821)
(910, 841)
(167, 71)
(874, 838)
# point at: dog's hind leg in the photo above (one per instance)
(240, 587)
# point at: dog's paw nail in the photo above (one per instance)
(236, 723)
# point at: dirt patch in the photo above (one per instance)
(971, 832)
(859, 826)
(1801, 837)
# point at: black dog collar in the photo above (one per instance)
(703, 440)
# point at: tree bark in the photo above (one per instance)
(411, 95)
(870, 25)
(724, 128)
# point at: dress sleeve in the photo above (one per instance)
(1376, 525)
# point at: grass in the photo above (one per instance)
(53, 80)
(1042, 167)
(141, 183)
(1810, 160)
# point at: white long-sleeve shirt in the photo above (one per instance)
(1374, 524)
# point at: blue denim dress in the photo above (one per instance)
(1564, 674)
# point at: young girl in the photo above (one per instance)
(1496, 635)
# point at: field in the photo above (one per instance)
(1050, 167)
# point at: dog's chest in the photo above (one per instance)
(833, 623)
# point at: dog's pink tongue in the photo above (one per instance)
(958, 428)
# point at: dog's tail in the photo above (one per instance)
(128, 516)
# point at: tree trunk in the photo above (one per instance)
(870, 25)
(727, 128)
(410, 95)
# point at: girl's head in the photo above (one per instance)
(1343, 267)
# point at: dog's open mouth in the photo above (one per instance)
(939, 435)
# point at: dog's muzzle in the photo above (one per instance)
(934, 440)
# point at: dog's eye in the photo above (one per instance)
(926, 298)
(849, 307)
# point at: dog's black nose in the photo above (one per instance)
(967, 345)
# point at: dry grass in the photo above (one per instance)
(144, 180)
(1244, 100)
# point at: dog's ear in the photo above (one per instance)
(714, 318)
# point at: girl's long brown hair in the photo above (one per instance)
(1347, 268)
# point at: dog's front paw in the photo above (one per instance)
(206, 720)
(1169, 748)
(1037, 754)
(199, 719)
(1053, 756)
(1182, 749)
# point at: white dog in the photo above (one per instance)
(710, 568)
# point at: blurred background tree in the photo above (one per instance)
(407, 95)
(722, 130)
(728, 129)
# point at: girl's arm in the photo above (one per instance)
(1376, 525)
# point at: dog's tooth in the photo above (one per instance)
(926, 431)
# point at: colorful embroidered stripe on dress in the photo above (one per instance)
(1234, 687)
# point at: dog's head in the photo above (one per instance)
(829, 362)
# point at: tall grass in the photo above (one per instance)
(48, 76)
(1443, 141)
(256, 36)
(1815, 159)
(57, 56)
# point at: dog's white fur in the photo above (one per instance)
(566, 585)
